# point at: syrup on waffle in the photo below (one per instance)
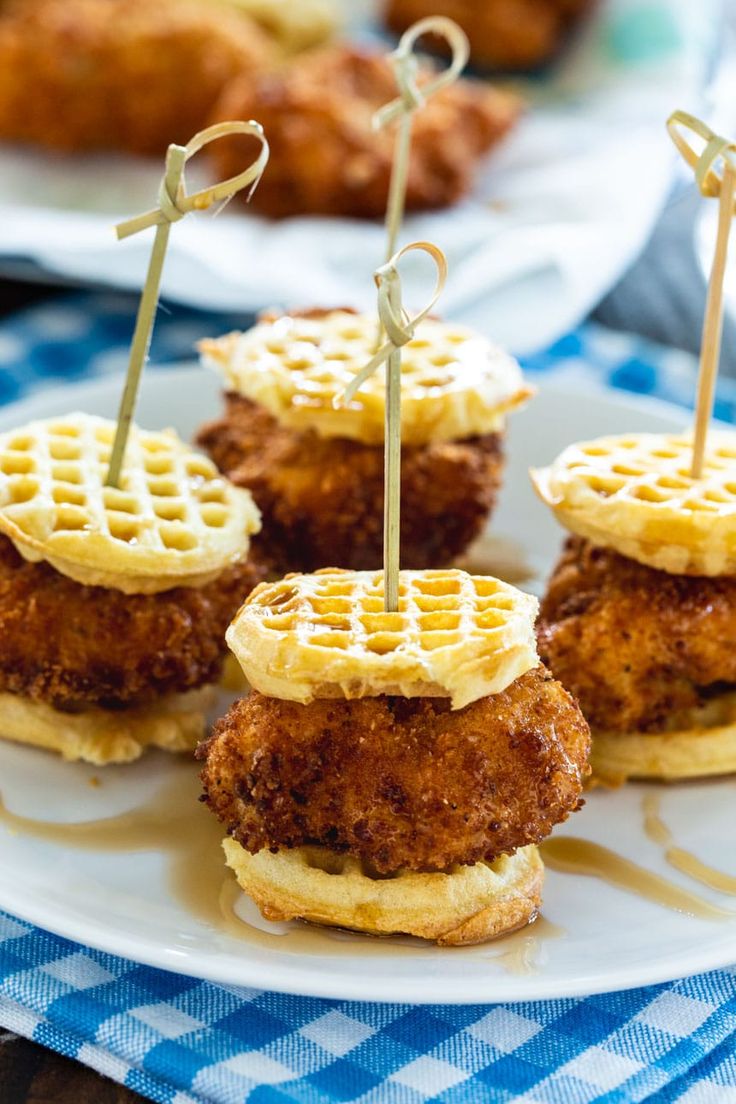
(469, 904)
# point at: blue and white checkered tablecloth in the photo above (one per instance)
(179, 1040)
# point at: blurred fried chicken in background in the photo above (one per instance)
(509, 34)
(325, 156)
(130, 75)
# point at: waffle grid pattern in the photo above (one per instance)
(170, 514)
(437, 609)
(327, 634)
(454, 383)
(634, 493)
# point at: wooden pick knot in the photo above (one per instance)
(173, 204)
(406, 66)
(168, 204)
(173, 200)
(723, 185)
(399, 327)
(716, 149)
(411, 97)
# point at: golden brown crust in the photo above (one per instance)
(400, 783)
(470, 904)
(132, 75)
(325, 156)
(637, 647)
(510, 34)
(71, 645)
(322, 499)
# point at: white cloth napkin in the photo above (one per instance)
(558, 214)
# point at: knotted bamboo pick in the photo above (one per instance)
(411, 97)
(399, 328)
(710, 183)
(173, 204)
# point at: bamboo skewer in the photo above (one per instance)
(173, 205)
(724, 186)
(412, 97)
(710, 349)
(392, 462)
(400, 329)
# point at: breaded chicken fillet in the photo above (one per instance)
(401, 783)
(75, 647)
(326, 156)
(322, 498)
(637, 647)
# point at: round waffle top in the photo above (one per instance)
(454, 383)
(326, 635)
(634, 493)
(174, 521)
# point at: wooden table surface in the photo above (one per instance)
(30, 1074)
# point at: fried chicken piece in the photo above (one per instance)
(401, 783)
(73, 646)
(510, 34)
(322, 498)
(325, 156)
(129, 75)
(636, 646)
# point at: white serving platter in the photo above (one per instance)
(161, 906)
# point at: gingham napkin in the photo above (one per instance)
(178, 1040)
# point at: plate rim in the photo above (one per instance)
(288, 977)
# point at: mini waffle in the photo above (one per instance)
(174, 521)
(634, 493)
(454, 383)
(470, 904)
(103, 736)
(327, 635)
(702, 745)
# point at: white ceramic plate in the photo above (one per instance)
(558, 214)
(594, 937)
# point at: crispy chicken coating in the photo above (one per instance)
(636, 646)
(326, 158)
(129, 75)
(322, 498)
(510, 34)
(75, 646)
(401, 783)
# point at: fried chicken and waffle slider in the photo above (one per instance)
(114, 602)
(392, 772)
(326, 156)
(316, 470)
(638, 617)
